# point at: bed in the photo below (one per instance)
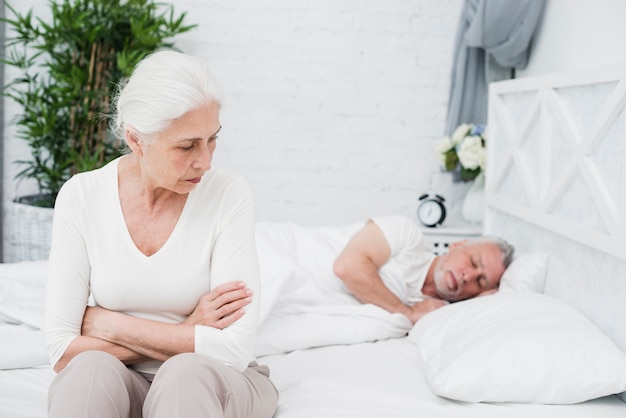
(549, 344)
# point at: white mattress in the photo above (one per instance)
(380, 379)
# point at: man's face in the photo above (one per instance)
(468, 270)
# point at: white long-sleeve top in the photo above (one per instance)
(92, 253)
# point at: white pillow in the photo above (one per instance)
(527, 273)
(517, 347)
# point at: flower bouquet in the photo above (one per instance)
(464, 152)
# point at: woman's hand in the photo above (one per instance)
(222, 306)
(96, 322)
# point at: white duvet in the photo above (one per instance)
(303, 304)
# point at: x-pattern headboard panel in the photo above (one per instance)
(559, 158)
(556, 184)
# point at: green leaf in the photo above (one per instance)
(69, 63)
(451, 160)
(469, 175)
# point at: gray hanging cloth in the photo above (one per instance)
(493, 39)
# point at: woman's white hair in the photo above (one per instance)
(163, 86)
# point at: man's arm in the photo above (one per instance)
(358, 265)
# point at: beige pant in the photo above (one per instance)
(96, 384)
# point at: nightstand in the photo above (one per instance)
(441, 237)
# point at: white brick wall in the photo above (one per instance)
(331, 108)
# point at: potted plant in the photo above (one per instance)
(69, 64)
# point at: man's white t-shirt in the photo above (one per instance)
(405, 272)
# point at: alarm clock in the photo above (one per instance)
(431, 211)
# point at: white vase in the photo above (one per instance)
(474, 202)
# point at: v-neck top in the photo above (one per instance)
(92, 253)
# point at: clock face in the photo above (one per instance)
(430, 212)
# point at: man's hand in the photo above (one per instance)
(420, 309)
(222, 306)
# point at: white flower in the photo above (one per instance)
(461, 132)
(463, 152)
(472, 153)
(441, 148)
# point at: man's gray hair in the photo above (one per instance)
(506, 249)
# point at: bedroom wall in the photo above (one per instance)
(332, 108)
(577, 34)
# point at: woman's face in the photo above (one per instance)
(177, 158)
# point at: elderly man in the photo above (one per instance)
(390, 247)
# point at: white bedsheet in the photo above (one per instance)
(24, 392)
(368, 380)
(384, 379)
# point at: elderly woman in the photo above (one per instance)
(164, 245)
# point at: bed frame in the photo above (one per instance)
(557, 154)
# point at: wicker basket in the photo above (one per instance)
(29, 232)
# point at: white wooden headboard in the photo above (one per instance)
(556, 183)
